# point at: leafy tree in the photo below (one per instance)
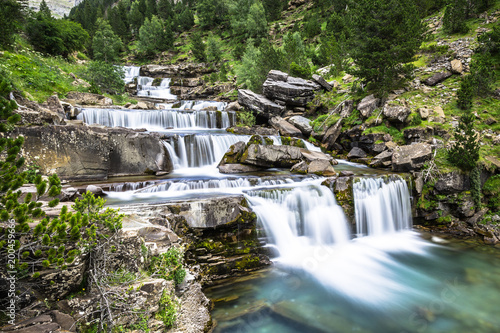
(105, 77)
(464, 153)
(198, 47)
(384, 38)
(11, 17)
(154, 36)
(105, 44)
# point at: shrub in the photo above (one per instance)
(106, 77)
(464, 153)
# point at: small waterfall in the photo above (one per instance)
(382, 205)
(298, 219)
(129, 186)
(200, 150)
(153, 119)
(131, 72)
(145, 88)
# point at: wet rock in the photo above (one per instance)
(259, 130)
(436, 78)
(233, 106)
(95, 190)
(238, 168)
(356, 153)
(259, 104)
(381, 159)
(452, 182)
(82, 98)
(331, 135)
(284, 127)
(407, 158)
(184, 70)
(302, 123)
(272, 156)
(368, 105)
(322, 82)
(321, 167)
(300, 168)
(396, 113)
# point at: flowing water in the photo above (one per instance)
(329, 275)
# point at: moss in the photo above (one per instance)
(157, 82)
(248, 262)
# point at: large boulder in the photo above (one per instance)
(322, 82)
(259, 104)
(290, 90)
(452, 182)
(408, 158)
(332, 135)
(284, 127)
(83, 153)
(259, 130)
(271, 156)
(436, 78)
(368, 105)
(397, 114)
(75, 97)
(302, 123)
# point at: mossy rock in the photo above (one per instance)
(157, 82)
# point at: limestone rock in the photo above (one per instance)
(294, 91)
(54, 105)
(322, 82)
(381, 159)
(259, 130)
(284, 127)
(367, 105)
(321, 167)
(396, 113)
(436, 78)
(452, 182)
(259, 104)
(424, 113)
(407, 158)
(438, 111)
(237, 168)
(456, 66)
(88, 98)
(95, 190)
(272, 156)
(233, 106)
(302, 123)
(331, 135)
(356, 153)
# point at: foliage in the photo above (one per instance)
(324, 121)
(168, 265)
(106, 45)
(415, 119)
(214, 53)
(454, 17)
(105, 77)
(211, 12)
(465, 93)
(246, 118)
(295, 52)
(198, 47)
(247, 18)
(168, 310)
(154, 36)
(273, 8)
(475, 186)
(384, 37)
(464, 152)
(55, 37)
(11, 17)
(492, 189)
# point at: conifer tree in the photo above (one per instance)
(11, 17)
(464, 153)
(105, 44)
(198, 47)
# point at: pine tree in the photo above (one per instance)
(44, 9)
(464, 153)
(454, 17)
(214, 53)
(154, 36)
(256, 24)
(136, 17)
(198, 47)
(105, 44)
(385, 36)
(11, 17)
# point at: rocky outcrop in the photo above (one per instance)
(322, 82)
(368, 105)
(331, 135)
(81, 152)
(453, 182)
(412, 157)
(284, 127)
(259, 104)
(185, 70)
(75, 97)
(259, 130)
(302, 123)
(397, 114)
(290, 90)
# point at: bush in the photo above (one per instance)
(454, 17)
(105, 77)
(464, 153)
(198, 47)
(246, 118)
(169, 265)
(465, 93)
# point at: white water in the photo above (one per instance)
(145, 88)
(131, 72)
(155, 119)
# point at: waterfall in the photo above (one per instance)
(200, 150)
(131, 72)
(153, 119)
(382, 205)
(145, 88)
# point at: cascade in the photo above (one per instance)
(382, 205)
(156, 119)
(145, 88)
(131, 72)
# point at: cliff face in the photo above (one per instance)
(59, 8)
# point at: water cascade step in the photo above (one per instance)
(131, 72)
(145, 88)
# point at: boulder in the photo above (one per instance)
(300, 167)
(356, 153)
(233, 106)
(284, 127)
(259, 130)
(408, 158)
(322, 82)
(332, 135)
(87, 98)
(347, 108)
(259, 104)
(424, 112)
(396, 113)
(54, 105)
(452, 182)
(237, 168)
(438, 112)
(272, 156)
(456, 66)
(302, 123)
(436, 78)
(418, 134)
(321, 167)
(95, 190)
(277, 75)
(184, 70)
(368, 105)
(384, 159)
(294, 91)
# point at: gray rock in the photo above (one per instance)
(294, 92)
(272, 156)
(75, 97)
(259, 104)
(322, 82)
(277, 75)
(407, 158)
(54, 105)
(418, 134)
(396, 113)
(302, 123)
(237, 168)
(436, 78)
(321, 167)
(347, 108)
(331, 135)
(259, 130)
(452, 182)
(284, 127)
(300, 167)
(368, 105)
(356, 153)
(95, 190)
(233, 106)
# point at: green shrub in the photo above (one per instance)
(169, 265)
(105, 77)
(464, 153)
(246, 118)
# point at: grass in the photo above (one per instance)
(397, 136)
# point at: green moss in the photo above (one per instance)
(397, 135)
(248, 262)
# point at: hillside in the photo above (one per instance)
(58, 7)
